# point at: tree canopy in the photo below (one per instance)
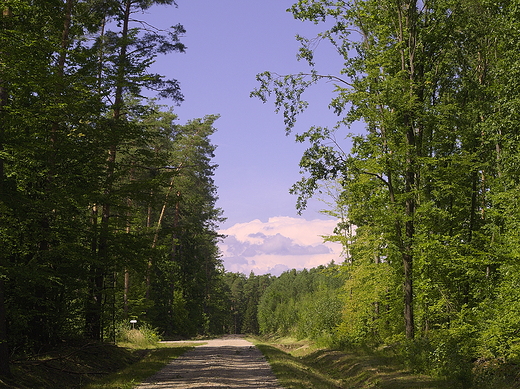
(107, 204)
(429, 184)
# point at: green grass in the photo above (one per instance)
(92, 366)
(69, 366)
(137, 372)
(301, 365)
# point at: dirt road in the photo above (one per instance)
(229, 362)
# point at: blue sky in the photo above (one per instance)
(228, 43)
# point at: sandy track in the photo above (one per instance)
(229, 362)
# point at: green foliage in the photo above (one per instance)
(319, 316)
(306, 304)
(303, 365)
(430, 183)
(107, 205)
(243, 296)
(143, 336)
(444, 355)
(368, 297)
(499, 338)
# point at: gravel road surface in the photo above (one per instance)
(229, 362)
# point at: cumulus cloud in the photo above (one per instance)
(280, 244)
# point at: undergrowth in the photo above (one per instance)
(89, 365)
(132, 375)
(302, 365)
(69, 366)
(143, 337)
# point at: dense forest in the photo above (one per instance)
(107, 204)
(428, 191)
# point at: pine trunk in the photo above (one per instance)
(4, 350)
(98, 270)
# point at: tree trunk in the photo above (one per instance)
(4, 350)
(126, 286)
(98, 270)
(409, 235)
(5, 371)
(90, 306)
(407, 35)
(156, 237)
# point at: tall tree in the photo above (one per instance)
(385, 90)
(188, 229)
(85, 168)
(4, 350)
(130, 54)
(417, 75)
(26, 85)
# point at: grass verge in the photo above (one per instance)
(301, 365)
(91, 366)
(132, 375)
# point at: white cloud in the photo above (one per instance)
(280, 244)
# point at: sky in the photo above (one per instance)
(228, 43)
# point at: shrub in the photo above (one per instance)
(143, 337)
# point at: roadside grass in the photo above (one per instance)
(86, 365)
(134, 374)
(302, 365)
(69, 366)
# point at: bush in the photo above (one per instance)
(444, 355)
(143, 337)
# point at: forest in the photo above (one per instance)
(427, 194)
(108, 205)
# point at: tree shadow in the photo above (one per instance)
(335, 369)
